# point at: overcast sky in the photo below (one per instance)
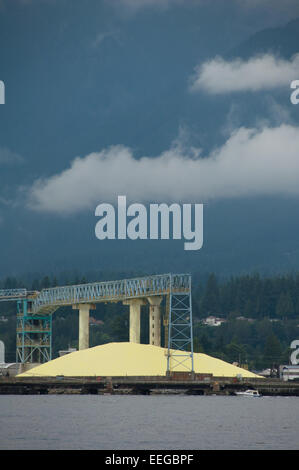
(239, 166)
(165, 101)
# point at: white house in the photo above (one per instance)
(213, 321)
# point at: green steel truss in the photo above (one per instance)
(34, 335)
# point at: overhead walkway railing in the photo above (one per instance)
(110, 291)
(12, 294)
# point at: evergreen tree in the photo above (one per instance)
(284, 307)
(35, 285)
(45, 282)
(272, 351)
(210, 302)
(235, 352)
(197, 346)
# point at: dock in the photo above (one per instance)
(145, 385)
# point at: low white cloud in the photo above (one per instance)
(137, 4)
(8, 157)
(277, 5)
(251, 162)
(25, 2)
(264, 72)
(133, 6)
(103, 36)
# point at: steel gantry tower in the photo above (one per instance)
(34, 335)
(34, 331)
(35, 309)
(180, 328)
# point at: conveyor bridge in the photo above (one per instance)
(35, 309)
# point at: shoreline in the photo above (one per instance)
(159, 385)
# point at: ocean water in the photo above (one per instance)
(166, 422)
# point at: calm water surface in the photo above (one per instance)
(148, 422)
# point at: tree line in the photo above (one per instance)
(261, 313)
(250, 296)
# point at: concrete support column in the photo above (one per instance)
(83, 324)
(135, 306)
(154, 320)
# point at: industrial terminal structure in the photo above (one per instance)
(124, 367)
(35, 310)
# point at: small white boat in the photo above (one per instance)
(249, 393)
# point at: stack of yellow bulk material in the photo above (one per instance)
(121, 359)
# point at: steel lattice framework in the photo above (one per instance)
(12, 294)
(35, 309)
(34, 335)
(180, 330)
(110, 291)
